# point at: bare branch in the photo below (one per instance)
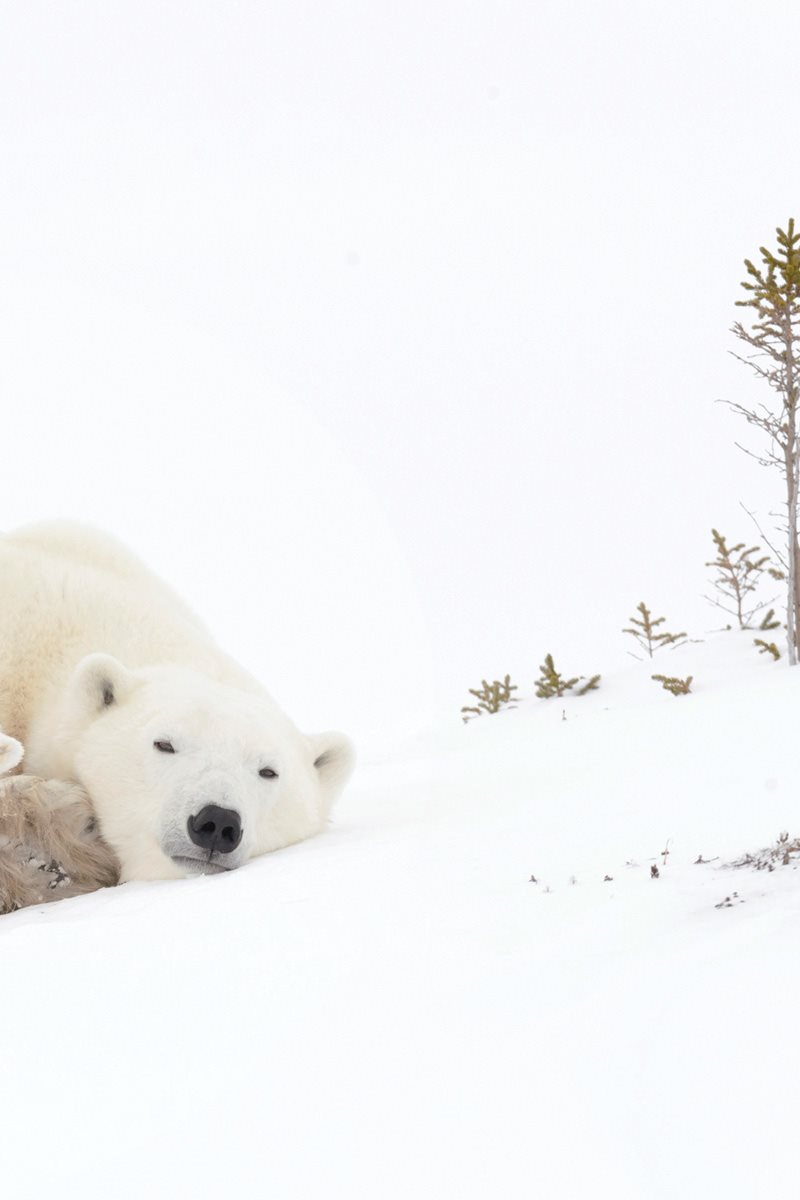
(775, 551)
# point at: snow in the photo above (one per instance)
(394, 1009)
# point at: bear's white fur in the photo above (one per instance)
(103, 669)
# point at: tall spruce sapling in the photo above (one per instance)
(645, 631)
(552, 683)
(491, 698)
(773, 353)
(740, 569)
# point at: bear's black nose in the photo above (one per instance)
(216, 828)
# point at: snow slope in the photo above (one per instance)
(395, 1010)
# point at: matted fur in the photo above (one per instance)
(50, 847)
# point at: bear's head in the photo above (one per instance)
(191, 775)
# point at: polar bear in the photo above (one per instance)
(109, 680)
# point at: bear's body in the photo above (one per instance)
(107, 678)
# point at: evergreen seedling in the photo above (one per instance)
(678, 687)
(739, 569)
(645, 631)
(491, 697)
(551, 683)
(767, 648)
(769, 621)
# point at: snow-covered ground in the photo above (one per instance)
(396, 1010)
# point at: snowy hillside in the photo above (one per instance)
(396, 1010)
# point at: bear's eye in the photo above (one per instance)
(268, 773)
(165, 747)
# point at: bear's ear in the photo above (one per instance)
(333, 757)
(98, 682)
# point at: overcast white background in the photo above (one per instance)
(391, 335)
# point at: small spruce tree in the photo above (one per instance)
(491, 697)
(645, 631)
(740, 569)
(552, 683)
(768, 621)
(678, 687)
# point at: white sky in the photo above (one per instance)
(391, 334)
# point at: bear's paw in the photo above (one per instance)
(11, 753)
